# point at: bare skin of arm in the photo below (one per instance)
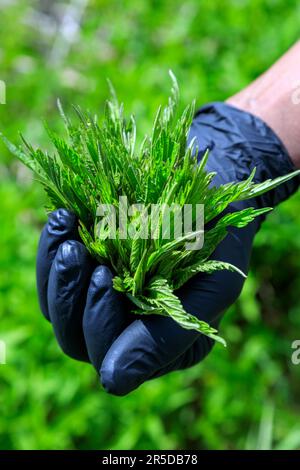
(275, 98)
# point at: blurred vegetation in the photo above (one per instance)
(244, 397)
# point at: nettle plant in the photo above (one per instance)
(99, 162)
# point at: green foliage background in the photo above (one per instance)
(244, 397)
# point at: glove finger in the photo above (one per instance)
(67, 289)
(61, 226)
(104, 315)
(143, 349)
(155, 345)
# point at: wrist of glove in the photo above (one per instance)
(239, 141)
(92, 322)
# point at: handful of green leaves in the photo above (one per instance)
(99, 162)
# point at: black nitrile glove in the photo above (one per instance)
(92, 322)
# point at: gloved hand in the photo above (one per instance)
(92, 322)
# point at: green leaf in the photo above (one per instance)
(183, 275)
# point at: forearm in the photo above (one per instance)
(275, 98)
